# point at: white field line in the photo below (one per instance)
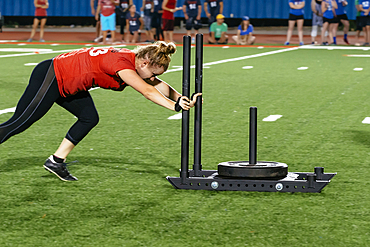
(272, 118)
(318, 47)
(24, 50)
(34, 53)
(7, 110)
(238, 58)
(366, 120)
(49, 52)
(357, 55)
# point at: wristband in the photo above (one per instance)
(177, 105)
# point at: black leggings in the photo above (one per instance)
(40, 95)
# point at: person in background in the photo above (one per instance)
(328, 8)
(40, 17)
(359, 26)
(94, 6)
(134, 23)
(168, 18)
(215, 7)
(106, 9)
(296, 15)
(341, 15)
(218, 31)
(364, 7)
(317, 19)
(148, 9)
(192, 11)
(121, 11)
(245, 33)
(67, 78)
(157, 19)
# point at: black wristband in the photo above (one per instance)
(177, 105)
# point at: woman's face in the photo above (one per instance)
(146, 71)
(246, 23)
(133, 8)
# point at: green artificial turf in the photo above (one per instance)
(122, 197)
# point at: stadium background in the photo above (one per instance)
(264, 12)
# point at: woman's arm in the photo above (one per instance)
(164, 88)
(97, 12)
(132, 79)
(334, 4)
(164, 7)
(46, 5)
(324, 7)
(238, 37)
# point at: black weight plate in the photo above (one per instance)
(261, 170)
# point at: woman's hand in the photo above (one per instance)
(194, 99)
(183, 102)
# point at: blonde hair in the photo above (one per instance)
(158, 53)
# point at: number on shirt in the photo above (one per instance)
(192, 6)
(132, 23)
(98, 51)
(213, 4)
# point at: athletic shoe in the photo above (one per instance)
(346, 40)
(366, 44)
(59, 169)
(29, 40)
(333, 44)
(324, 43)
(98, 39)
(301, 43)
(286, 43)
(42, 40)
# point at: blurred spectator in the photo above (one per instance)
(317, 19)
(148, 9)
(341, 16)
(122, 9)
(359, 23)
(134, 23)
(364, 6)
(328, 8)
(215, 7)
(94, 6)
(296, 15)
(40, 17)
(218, 31)
(245, 33)
(107, 8)
(168, 18)
(192, 11)
(157, 19)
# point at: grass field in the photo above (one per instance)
(122, 197)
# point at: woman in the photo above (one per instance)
(122, 12)
(329, 20)
(40, 16)
(67, 78)
(341, 16)
(245, 33)
(134, 24)
(296, 15)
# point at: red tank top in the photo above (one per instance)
(83, 69)
(107, 7)
(40, 11)
(171, 4)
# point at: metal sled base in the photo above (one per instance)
(294, 182)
